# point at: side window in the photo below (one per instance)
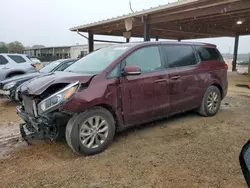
(208, 54)
(17, 58)
(114, 72)
(179, 56)
(147, 58)
(3, 61)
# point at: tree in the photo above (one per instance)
(3, 48)
(38, 46)
(16, 47)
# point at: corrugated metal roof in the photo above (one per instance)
(137, 13)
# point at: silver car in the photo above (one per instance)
(15, 64)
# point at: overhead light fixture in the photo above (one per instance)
(239, 22)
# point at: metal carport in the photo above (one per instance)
(184, 19)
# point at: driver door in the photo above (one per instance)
(145, 97)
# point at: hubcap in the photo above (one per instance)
(212, 101)
(93, 132)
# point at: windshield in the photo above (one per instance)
(48, 68)
(99, 60)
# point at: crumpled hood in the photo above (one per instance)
(20, 78)
(38, 85)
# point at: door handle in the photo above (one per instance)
(175, 77)
(160, 80)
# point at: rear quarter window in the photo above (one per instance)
(3, 61)
(208, 54)
(17, 58)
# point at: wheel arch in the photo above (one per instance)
(111, 110)
(219, 87)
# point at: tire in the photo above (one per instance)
(212, 98)
(81, 125)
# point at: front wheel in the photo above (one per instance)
(211, 102)
(90, 132)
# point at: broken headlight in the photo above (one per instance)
(9, 86)
(57, 99)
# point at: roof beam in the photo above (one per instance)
(186, 32)
(195, 28)
(217, 16)
(196, 12)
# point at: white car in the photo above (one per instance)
(35, 60)
(15, 64)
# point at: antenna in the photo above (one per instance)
(130, 6)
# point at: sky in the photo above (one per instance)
(47, 22)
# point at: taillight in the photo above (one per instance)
(226, 66)
(33, 65)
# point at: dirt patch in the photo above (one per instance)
(183, 151)
(9, 127)
(247, 96)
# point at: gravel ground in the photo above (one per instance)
(183, 151)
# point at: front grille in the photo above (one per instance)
(28, 105)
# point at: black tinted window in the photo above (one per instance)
(208, 54)
(148, 59)
(3, 61)
(17, 58)
(179, 56)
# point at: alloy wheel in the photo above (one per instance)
(93, 132)
(212, 102)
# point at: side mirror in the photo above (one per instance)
(245, 162)
(131, 70)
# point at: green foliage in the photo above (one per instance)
(16, 47)
(3, 48)
(38, 46)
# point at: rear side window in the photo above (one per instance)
(3, 61)
(209, 54)
(147, 58)
(179, 56)
(17, 58)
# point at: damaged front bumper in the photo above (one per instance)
(41, 128)
(8, 94)
(31, 129)
(4, 94)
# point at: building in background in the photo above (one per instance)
(61, 52)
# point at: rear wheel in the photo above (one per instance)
(211, 102)
(90, 132)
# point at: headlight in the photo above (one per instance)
(58, 98)
(9, 86)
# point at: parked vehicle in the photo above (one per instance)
(245, 162)
(9, 86)
(120, 86)
(243, 63)
(35, 60)
(14, 64)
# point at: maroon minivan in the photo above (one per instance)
(120, 86)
